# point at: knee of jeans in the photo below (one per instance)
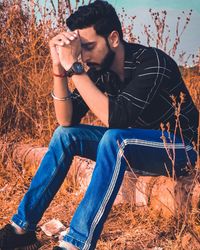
(66, 134)
(111, 136)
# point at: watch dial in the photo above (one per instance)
(78, 67)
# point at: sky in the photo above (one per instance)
(170, 4)
(190, 39)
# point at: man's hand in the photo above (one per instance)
(65, 49)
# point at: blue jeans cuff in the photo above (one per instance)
(77, 243)
(24, 225)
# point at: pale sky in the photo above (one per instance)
(190, 40)
(170, 4)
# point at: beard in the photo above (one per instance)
(106, 62)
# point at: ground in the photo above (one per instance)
(127, 228)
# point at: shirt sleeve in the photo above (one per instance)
(80, 108)
(151, 72)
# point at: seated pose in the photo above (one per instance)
(132, 89)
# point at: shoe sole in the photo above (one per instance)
(34, 246)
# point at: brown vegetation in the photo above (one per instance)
(26, 114)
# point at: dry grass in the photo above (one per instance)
(26, 108)
(125, 229)
(26, 113)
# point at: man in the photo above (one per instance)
(129, 87)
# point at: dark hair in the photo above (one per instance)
(99, 14)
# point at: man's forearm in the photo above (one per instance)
(63, 109)
(94, 98)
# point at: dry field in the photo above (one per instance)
(27, 115)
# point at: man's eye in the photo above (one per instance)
(89, 48)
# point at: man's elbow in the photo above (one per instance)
(65, 123)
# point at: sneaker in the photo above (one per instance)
(9, 240)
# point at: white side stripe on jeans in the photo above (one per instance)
(116, 174)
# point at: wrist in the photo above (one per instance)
(69, 63)
(77, 68)
(58, 70)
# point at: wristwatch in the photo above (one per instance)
(76, 69)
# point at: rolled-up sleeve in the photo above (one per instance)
(151, 72)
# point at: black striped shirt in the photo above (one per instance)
(144, 98)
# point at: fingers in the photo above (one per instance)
(67, 37)
(64, 38)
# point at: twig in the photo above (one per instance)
(120, 148)
(54, 8)
(191, 231)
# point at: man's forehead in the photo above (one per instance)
(87, 35)
(85, 44)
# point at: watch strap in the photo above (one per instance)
(73, 71)
(70, 72)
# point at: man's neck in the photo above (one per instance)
(118, 64)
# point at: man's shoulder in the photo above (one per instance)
(133, 48)
(142, 51)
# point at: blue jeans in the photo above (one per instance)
(144, 150)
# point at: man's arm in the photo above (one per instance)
(63, 109)
(93, 97)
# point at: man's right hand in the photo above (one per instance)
(54, 42)
(61, 40)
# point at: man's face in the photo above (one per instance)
(95, 50)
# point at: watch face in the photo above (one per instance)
(78, 68)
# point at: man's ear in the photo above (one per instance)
(114, 39)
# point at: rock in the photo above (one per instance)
(53, 227)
